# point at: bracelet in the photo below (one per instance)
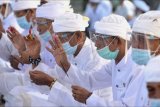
(34, 61)
(52, 83)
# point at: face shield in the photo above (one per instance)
(144, 47)
(103, 44)
(44, 27)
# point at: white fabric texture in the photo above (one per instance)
(59, 9)
(113, 25)
(25, 4)
(148, 23)
(70, 22)
(152, 71)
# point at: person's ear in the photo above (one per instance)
(116, 41)
(79, 36)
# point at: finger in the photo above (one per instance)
(50, 50)
(31, 75)
(74, 96)
(58, 42)
(52, 44)
(9, 34)
(75, 87)
(36, 72)
(13, 31)
(17, 58)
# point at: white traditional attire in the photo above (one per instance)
(123, 77)
(8, 49)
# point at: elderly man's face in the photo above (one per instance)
(154, 90)
(43, 25)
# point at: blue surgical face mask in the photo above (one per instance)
(70, 50)
(154, 103)
(23, 23)
(46, 36)
(141, 56)
(107, 54)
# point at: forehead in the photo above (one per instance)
(20, 12)
(40, 19)
(142, 36)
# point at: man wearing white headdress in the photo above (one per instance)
(152, 72)
(121, 73)
(96, 9)
(9, 50)
(24, 11)
(146, 51)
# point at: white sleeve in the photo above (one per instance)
(56, 72)
(95, 101)
(97, 79)
(61, 96)
(135, 95)
(7, 47)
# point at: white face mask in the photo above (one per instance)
(154, 102)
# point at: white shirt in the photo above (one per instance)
(126, 79)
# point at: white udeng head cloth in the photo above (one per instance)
(148, 23)
(57, 9)
(113, 25)
(70, 22)
(152, 71)
(25, 4)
